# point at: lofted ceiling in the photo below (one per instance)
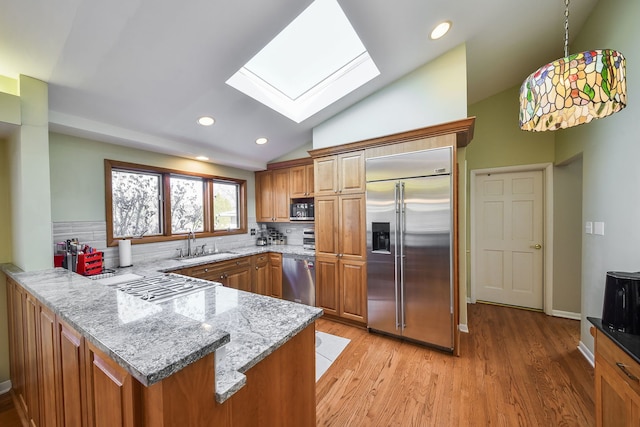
(140, 72)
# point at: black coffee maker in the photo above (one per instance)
(621, 308)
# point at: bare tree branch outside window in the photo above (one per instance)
(187, 206)
(225, 206)
(136, 200)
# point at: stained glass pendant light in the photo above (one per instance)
(573, 90)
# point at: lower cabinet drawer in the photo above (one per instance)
(625, 366)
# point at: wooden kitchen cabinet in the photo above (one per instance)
(15, 302)
(341, 287)
(31, 359)
(617, 385)
(301, 182)
(72, 376)
(341, 277)
(339, 174)
(275, 274)
(272, 195)
(111, 392)
(48, 370)
(262, 280)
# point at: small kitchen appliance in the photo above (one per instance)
(302, 210)
(621, 307)
(309, 238)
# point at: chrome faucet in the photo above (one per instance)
(191, 234)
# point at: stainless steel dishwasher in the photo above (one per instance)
(299, 278)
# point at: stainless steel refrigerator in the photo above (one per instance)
(409, 246)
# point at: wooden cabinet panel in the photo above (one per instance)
(272, 196)
(111, 392)
(340, 174)
(351, 172)
(353, 278)
(617, 397)
(31, 359)
(326, 176)
(48, 372)
(275, 275)
(327, 284)
(326, 225)
(72, 376)
(352, 216)
(15, 301)
(261, 280)
(301, 181)
(264, 196)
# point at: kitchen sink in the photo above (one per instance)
(209, 257)
(163, 287)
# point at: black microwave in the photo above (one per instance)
(301, 211)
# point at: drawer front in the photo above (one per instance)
(207, 269)
(627, 368)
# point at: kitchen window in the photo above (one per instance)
(151, 204)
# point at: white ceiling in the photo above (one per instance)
(140, 72)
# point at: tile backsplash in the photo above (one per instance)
(94, 233)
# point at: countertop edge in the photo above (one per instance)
(628, 343)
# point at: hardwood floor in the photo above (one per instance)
(8, 414)
(517, 368)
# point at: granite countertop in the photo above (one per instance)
(629, 343)
(154, 340)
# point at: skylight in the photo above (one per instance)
(316, 60)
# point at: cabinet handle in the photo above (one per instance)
(623, 368)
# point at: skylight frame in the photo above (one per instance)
(348, 77)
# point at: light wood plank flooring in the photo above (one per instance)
(517, 368)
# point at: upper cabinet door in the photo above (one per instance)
(351, 173)
(326, 176)
(340, 174)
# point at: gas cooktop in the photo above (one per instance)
(164, 287)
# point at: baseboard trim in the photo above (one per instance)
(5, 387)
(566, 314)
(587, 354)
(463, 328)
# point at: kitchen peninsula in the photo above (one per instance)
(87, 353)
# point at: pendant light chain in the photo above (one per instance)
(566, 28)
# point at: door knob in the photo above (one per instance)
(537, 246)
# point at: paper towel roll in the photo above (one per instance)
(124, 251)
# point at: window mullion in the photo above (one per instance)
(165, 198)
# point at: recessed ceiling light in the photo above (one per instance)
(440, 30)
(206, 121)
(261, 141)
(202, 158)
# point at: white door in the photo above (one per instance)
(509, 229)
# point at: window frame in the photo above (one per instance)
(166, 173)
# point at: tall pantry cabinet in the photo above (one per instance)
(341, 273)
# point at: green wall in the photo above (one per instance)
(77, 175)
(498, 140)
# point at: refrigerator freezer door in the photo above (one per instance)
(428, 291)
(382, 310)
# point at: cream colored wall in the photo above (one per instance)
(610, 151)
(30, 196)
(434, 93)
(77, 175)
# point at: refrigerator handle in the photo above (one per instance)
(396, 263)
(401, 231)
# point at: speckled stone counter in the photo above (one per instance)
(153, 341)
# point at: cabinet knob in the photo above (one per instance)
(206, 270)
(256, 267)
